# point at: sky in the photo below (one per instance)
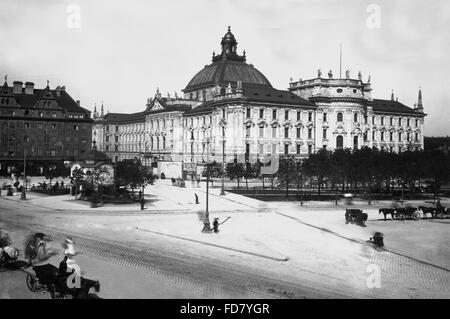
(120, 51)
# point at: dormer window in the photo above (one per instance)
(339, 90)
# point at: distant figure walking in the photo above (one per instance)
(69, 250)
(216, 225)
(42, 249)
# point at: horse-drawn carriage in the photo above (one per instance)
(47, 278)
(355, 216)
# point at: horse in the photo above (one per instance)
(428, 210)
(81, 292)
(387, 211)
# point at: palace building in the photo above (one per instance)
(44, 126)
(230, 109)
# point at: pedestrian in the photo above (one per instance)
(142, 203)
(63, 267)
(439, 207)
(42, 250)
(216, 225)
(69, 249)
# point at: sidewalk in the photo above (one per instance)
(160, 197)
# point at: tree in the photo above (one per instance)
(318, 165)
(131, 173)
(235, 171)
(286, 171)
(214, 170)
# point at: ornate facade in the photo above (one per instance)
(229, 108)
(44, 125)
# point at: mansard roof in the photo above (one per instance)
(254, 94)
(123, 118)
(28, 100)
(390, 106)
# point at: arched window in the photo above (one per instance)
(339, 142)
(339, 117)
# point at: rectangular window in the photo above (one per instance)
(365, 119)
(274, 132)
(107, 138)
(298, 132)
(399, 136)
(407, 122)
(117, 128)
(298, 148)
(286, 115)
(391, 121)
(382, 136)
(116, 138)
(286, 149)
(373, 135)
(391, 136)
(416, 137)
(298, 115)
(247, 131)
(309, 133)
(417, 123)
(261, 131)
(373, 120)
(382, 120)
(249, 112)
(274, 114)
(324, 133)
(261, 113)
(286, 132)
(310, 114)
(309, 149)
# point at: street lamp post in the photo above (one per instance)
(23, 196)
(206, 223)
(222, 190)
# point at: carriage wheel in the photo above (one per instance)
(31, 283)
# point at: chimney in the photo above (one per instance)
(29, 88)
(17, 87)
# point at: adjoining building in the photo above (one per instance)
(348, 117)
(230, 109)
(46, 126)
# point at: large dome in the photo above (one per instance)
(226, 71)
(227, 67)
